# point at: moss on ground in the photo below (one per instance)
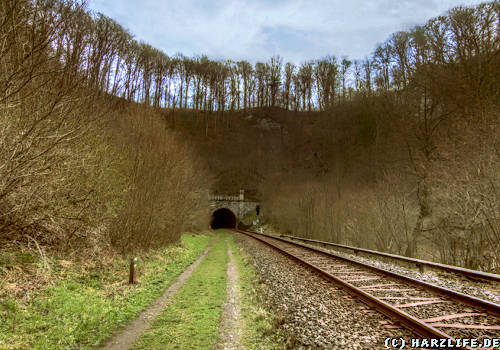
(259, 329)
(192, 319)
(83, 307)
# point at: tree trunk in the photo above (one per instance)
(424, 212)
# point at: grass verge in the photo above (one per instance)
(259, 326)
(191, 321)
(84, 307)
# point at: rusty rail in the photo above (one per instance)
(411, 322)
(418, 262)
(490, 306)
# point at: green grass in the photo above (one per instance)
(192, 320)
(84, 307)
(258, 326)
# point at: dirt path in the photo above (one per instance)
(229, 332)
(128, 335)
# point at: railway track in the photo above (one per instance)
(421, 264)
(430, 311)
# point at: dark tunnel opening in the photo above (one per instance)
(223, 218)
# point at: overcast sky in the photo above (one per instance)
(254, 30)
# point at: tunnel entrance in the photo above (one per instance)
(223, 218)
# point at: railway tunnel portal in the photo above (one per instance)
(228, 210)
(223, 218)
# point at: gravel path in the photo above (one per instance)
(312, 312)
(230, 329)
(128, 335)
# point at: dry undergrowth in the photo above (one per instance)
(84, 175)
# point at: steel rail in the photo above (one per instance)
(471, 300)
(385, 308)
(449, 268)
(411, 322)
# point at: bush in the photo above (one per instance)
(163, 191)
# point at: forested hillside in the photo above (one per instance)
(110, 150)
(409, 163)
(102, 136)
(397, 152)
(83, 169)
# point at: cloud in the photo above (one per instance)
(298, 30)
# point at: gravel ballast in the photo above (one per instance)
(400, 294)
(480, 289)
(312, 312)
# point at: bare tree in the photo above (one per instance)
(345, 64)
(246, 72)
(274, 77)
(305, 78)
(289, 73)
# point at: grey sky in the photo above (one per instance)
(298, 30)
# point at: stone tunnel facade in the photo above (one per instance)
(237, 205)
